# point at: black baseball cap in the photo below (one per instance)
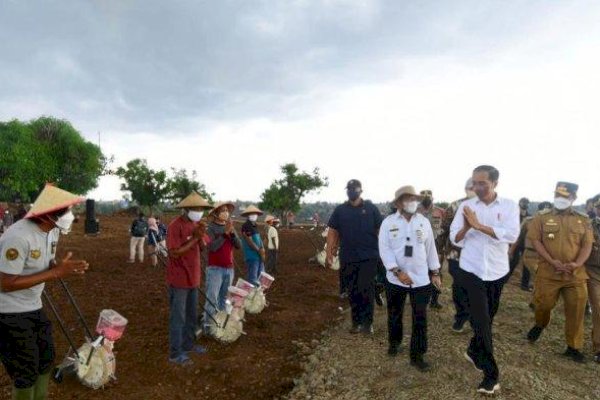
(354, 184)
(566, 189)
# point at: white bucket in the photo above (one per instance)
(265, 280)
(237, 296)
(244, 285)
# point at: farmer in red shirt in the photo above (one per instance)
(219, 270)
(185, 238)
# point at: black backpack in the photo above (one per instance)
(139, 228)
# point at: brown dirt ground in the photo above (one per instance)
(260, 365)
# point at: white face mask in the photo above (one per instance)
(562, 203)
(195, 216)
(410, 206)
(64, 222)
(253, 218)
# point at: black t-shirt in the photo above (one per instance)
(358, 228)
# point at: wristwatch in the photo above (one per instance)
(435, 272)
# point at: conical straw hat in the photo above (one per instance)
(220, 204)
(52, 199)
(193, 200)
(251, 209)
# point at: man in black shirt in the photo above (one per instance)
(354, 225)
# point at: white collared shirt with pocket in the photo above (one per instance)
(395, 234)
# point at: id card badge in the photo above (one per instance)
(408, 251)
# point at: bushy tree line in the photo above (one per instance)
(152, 187)
(44, 150)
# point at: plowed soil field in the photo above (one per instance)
(262, 364)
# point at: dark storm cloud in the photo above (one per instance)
(149, 65)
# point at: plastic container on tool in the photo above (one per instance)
(244, 285)
(237, 296)
(111, 325)
(265, 280)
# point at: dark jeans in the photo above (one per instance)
(459, 295)
(361, 285)
(255, 267)
(435, 292)
(419, 299)
(182, 320)
(271, 264)
(26, 346)
(483, 299)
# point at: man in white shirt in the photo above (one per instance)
(407, 249)
(484, 227)
(272, 244)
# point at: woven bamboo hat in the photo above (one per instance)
(251, 209)
(51, 199)
(230, 206)
(194, 200)
(270, 218)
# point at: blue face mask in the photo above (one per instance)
(353, 194)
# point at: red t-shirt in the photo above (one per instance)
(223, 257)
(184, 271)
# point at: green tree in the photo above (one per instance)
(180, 185)
(148, 187)
(76, 164)
(46, 150)
(285, 194)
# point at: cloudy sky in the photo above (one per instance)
(389, 92)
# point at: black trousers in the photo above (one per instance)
(459, 295)
(526, 274)
(419, 300)
(483, 299)
(344, 279)
(435, 292)
(361, 286)
(26, 346)
(271, 264)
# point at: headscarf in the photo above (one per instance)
(152, 224)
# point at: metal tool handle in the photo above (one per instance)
(88, 331)
(61, 323)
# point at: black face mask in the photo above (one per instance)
(353, 194)
(426, 202)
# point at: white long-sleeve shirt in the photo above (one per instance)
(483, 255)
(395, 233)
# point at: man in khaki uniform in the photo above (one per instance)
(563, 239)
(435, 215)
(593, 270)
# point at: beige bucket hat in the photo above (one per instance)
(230, 206)
(251, 209)
(270, 218)
(51, 199)
(194, 200)
(406, 190)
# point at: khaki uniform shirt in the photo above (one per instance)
(593, 263)
(563, 234)
(25, 250)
